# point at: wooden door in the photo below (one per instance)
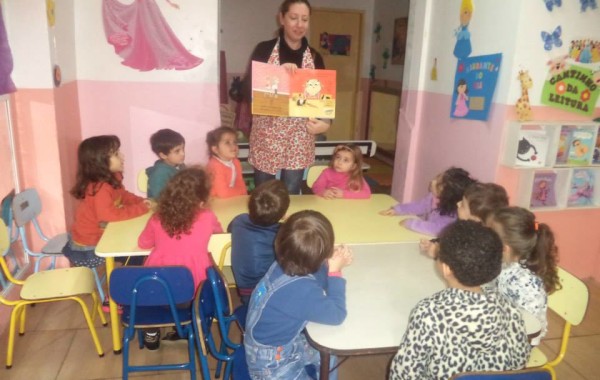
(337, 27)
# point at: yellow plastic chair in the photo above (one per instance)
(222, 243)
(142, 181)
(313, 173)
(570, 303)
(49, 286)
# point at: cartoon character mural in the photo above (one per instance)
(462, 49)
(523, 106)
(462, 108)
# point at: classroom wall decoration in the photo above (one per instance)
(474, 85)
(585, 51)
(585, 4)
(6, 61)
(399, 40)
(572, 88)
(523, 105)
(550, 4)
(143, 38)
(462, 49)
(552, 39)
(335, 44)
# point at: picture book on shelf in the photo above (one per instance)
(581, 192)
(543, 192)
(532, 148)
(596, 155)
(564, 141)
(581, 147)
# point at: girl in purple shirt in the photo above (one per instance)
(343, 178)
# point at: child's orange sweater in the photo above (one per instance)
(221, 179)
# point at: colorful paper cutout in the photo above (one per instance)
(523, 106)
(462, 49)
(585, 51)
(550, 4)
(335, 44)
(572, 88)
(585, 4)
(552, 39)
(474, 85)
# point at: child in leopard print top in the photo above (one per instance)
(461, 328)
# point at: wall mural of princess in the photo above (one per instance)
(143, 38)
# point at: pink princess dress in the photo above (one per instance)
(141, 36)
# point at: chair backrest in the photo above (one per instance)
(26, 206)
(571, 301)
(142, 181)
(4, 238)
(217, 245)
(220, 289)
(152, 286)
(7, 215)
(313, 173)
(524, 374)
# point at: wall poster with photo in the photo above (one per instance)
(399, 42)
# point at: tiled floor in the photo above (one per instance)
(57, 345)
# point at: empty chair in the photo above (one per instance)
(570, 303)
(26, 208)
(524, 374)
(142, 181)
(49, 286)
(212, 304)
(154, 297)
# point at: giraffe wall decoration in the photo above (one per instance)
(523, 106)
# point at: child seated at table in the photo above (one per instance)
(293, 292)
(253, 234)
(103, 198)
(438, 208)
(478, 203)
(529, 271)
(179, 232)
(169, 146)
(462, 328)
(223, 166)
(344, 177)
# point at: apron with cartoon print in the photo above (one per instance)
(282, 142)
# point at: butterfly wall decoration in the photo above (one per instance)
(550, 4)
(552, 39)
(585, 4)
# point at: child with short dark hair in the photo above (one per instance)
(529, 271)
(344, 177)
(438, 208)
(253, 234)
(462, 328)
(224, 166)
(169, 146)
(293, 292)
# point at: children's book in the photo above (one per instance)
(543, 192)
(596, 154)
(305, 93)
(532, 148)
(581, 192)
(581, 147)
(564, 141)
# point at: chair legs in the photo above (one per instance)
(99, 282)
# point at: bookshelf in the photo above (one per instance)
(557, 164)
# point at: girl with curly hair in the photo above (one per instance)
(529, 271)
(179, 231)
(439, 207)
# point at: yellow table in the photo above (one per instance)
(354, 222)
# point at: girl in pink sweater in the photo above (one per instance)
(343, 178)
(179, 231)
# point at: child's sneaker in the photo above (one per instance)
(106, 307)
(152, 339)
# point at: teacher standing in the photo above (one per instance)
(285, 143)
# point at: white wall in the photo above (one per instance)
(243, 24)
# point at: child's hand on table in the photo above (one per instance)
(388, 212)
(429, 247)
(342, 257)
(333, 193)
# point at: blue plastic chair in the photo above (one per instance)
(13, 234)
(26, 207)
(212, 304)
(155, 297)
(524, 374)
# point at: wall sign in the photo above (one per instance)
(574, 89)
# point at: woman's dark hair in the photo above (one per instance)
(460, 83)
(213, 137)
(453, 183)
(268, 203)
(531, 242)
(93, 164)
(485, 198)
(472, 251)
(303, 243)
(182, 198)
(285, 6)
